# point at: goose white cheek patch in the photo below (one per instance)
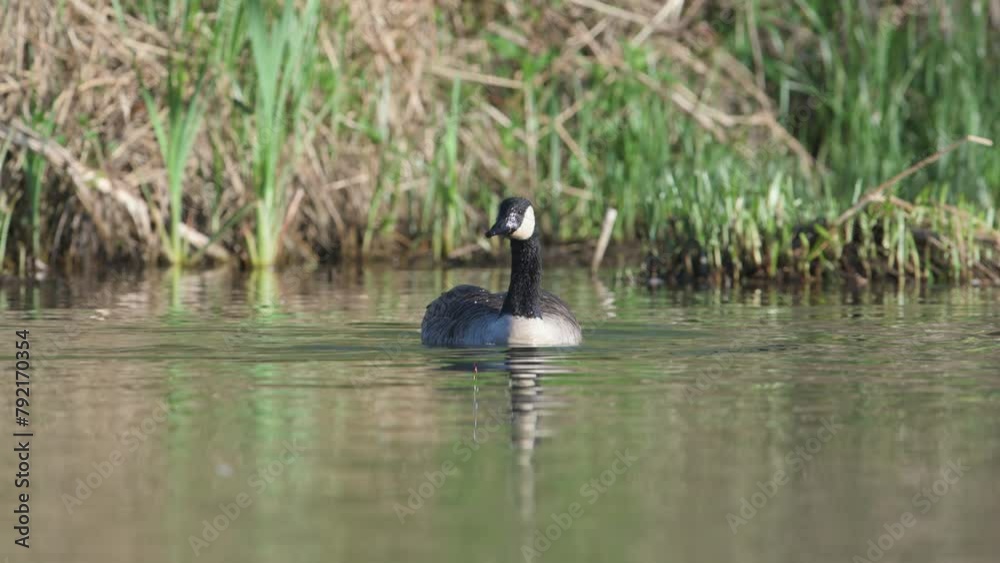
(527, 227)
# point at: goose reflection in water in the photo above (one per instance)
(527, 368)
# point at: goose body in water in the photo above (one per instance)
(524, 316)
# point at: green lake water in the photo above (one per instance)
(217, 417)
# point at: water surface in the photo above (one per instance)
(298, 418)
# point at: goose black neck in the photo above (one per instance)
(524, 294)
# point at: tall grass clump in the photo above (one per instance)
(6, 207)
(284, 60)
(176, 135)
(34, 172)
(444, 206)
(882, 85)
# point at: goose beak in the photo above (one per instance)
(500, 228)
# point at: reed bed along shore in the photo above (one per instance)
(751, 138)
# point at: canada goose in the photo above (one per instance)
(525, 316)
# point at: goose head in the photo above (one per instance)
(516, 219)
